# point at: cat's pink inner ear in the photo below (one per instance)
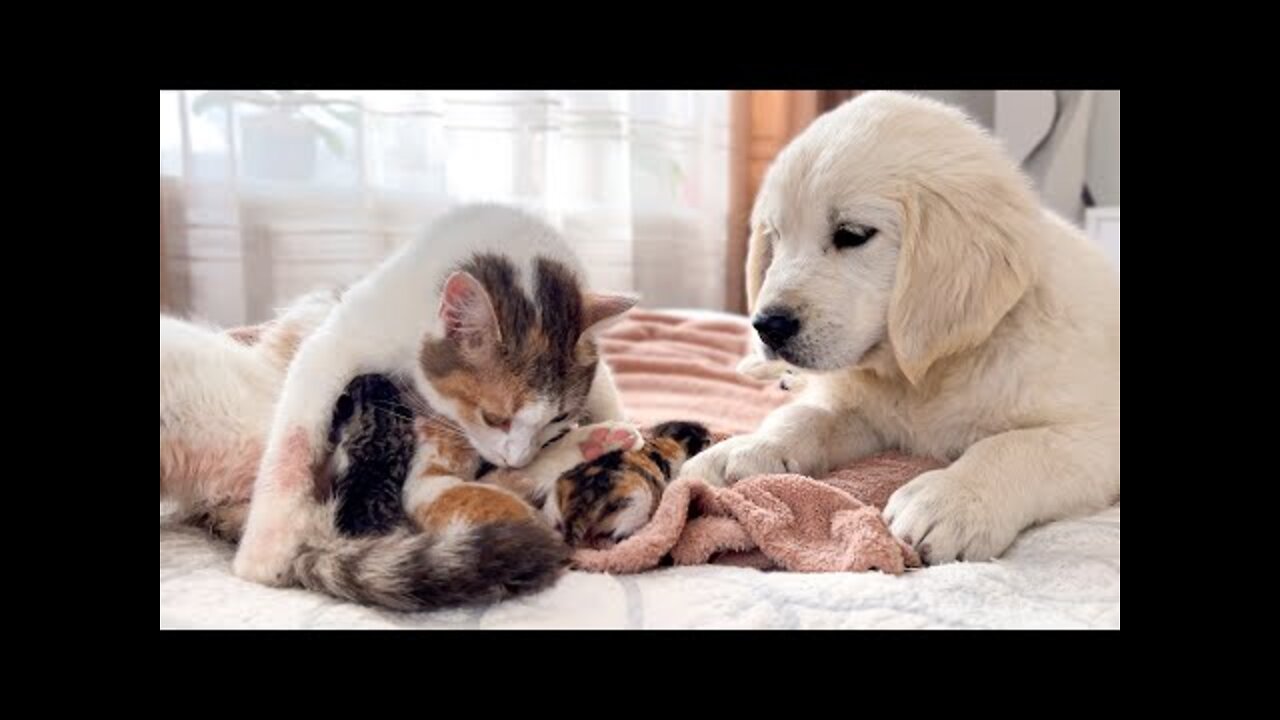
(466, 310)
(602, 309)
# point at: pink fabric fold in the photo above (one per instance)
(787, 522)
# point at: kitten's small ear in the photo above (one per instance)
(467, 313)
(600, 310)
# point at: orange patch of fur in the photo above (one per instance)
(474, 504)
(454, 453)
(632, 484)
(514, 480)
(492, 391)
(437, 470)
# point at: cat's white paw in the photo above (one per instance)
(264, 563)
(946, 520)
(271, 541)
(591, 441)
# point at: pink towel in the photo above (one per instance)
(669, 368)
(774, 521)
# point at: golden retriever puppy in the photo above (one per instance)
(903, 265)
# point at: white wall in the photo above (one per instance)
(1104, 148)
(1102, 169)
(980, 104)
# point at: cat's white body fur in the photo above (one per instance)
(217, 398)
(379, 327)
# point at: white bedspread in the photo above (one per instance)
(1062, 575)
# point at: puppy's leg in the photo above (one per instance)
(796, 438)
(974, 509)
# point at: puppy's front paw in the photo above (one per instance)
(946, 520)
(709, 465)
(744, 456)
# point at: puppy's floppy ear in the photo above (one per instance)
(759, 256)
(965, 262)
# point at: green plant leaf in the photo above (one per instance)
(347, 116)
(331, 139)
(223, 98)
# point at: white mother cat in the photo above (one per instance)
(496, 283)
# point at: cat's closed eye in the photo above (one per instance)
(496, 421)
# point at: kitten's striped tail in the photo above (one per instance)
(411, 570)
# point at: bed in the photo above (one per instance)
(1061, 575)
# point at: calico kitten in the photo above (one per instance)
(607, 499)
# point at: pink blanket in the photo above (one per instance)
(668, 368)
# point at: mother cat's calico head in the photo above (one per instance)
(513, 368)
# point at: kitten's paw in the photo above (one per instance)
(593, 441)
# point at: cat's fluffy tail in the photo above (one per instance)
(410, 570)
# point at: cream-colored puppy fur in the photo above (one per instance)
(974, 325)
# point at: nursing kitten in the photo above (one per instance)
(613, 493)
(374, 443)
(595, 484)
(486, 320)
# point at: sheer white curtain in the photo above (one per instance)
(268, 194)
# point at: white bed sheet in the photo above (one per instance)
(1062, 575)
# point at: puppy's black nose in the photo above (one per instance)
(776, 327)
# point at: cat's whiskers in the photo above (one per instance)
(390, 410)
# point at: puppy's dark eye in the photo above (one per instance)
(847, 237)
(560, 418)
